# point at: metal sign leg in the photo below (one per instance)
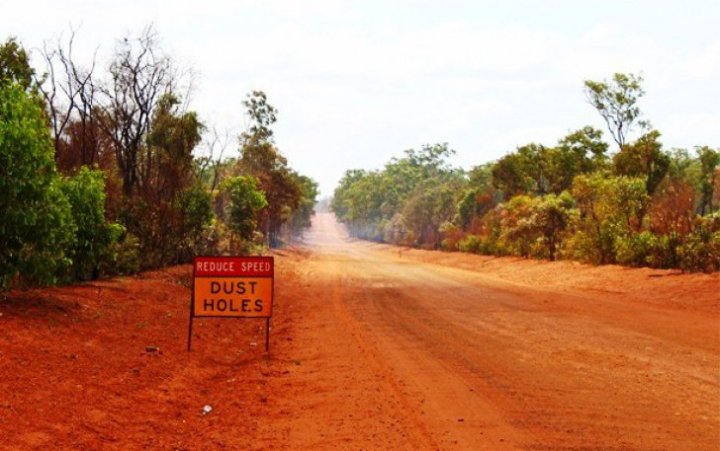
(190, 332)
(267, 335)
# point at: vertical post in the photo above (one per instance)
(190, 329)
(267, 334)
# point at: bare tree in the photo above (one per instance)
(215, 143)
(140, 75)
(70, 93)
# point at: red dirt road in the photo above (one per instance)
(372, 348)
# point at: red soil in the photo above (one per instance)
(372, 347)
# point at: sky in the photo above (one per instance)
(358, 82)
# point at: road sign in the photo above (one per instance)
(232, 287)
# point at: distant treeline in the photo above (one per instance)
(100, 172)
(640, 205)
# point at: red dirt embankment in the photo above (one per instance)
(372, 347)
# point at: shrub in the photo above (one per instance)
(471, 243)
(701, 250)
(36, 230)
(640, 249)
(94, 235)
(451, 236)
(610, 207)
(246, 200)
(195, 206)
(123, 254)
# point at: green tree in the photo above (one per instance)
(246, 200)
(262, 160)
(339, 204)
(301, 217)
(517, 233)
(165, 171)
(195, 204)
(94, 235)
(364, 200)
(701, 250)
(432, 205)
(509, 176)
(262, 117)
(580, 152)
(643, 158)
(610, 207)
(524, 171)
(37, 229)
(15, 65)
(551, 216)
(372, 203)
(616, 101)
(709, 160)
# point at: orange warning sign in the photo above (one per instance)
(233, 287)
(233, 296)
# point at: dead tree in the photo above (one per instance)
(70, 93)
(216, 144)
(140, 75)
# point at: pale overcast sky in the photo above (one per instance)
(357, 82)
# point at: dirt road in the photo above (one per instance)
(373, 347)
(472, 363)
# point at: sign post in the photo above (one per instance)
(233, 287)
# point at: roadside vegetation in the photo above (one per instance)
(631, 202)
(107, 171)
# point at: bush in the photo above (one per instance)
(245, 201)
(195, 205)
(451, 236)
(610, 208)
(640, 249)
(394, 230)
(36, 230)
(123, 255)
(94, 235)
(701, 250)
(471, 243)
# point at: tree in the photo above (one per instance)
(644, 158)
(140, 76)
(509, 176)
(610, 207)
(517, 233)
(37, 228)
(164, 173)
(551, 216)
(301, 217)
(195, 205)
(262, 116)
(339, 203)
(262, 160)
(15, 65)
(580, 152)
(428, 208)
(524, 171)
(373, 204)
(401, 176)
(94, 235)
(71, 95)
(616, 101)
(166, 165)
(709, 160)
(364, 200)
(246, 200)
